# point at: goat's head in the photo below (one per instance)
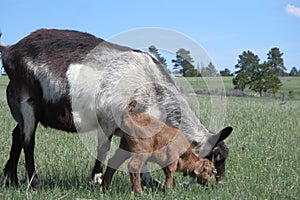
(204, 171)
(218, 156)
(218, 153)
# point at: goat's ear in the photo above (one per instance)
(225, 133)
(204, 149)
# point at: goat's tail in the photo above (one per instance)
(3, 47)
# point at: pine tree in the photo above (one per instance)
(275, 61)
(183, 62)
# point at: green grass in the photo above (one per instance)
(198, 83)
(263, 163)
(291, 84)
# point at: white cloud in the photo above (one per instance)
(292, 10)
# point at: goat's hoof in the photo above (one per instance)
(137, 192)
(153, 183)
(10, 180)
(97, 178)
(11, 183)
(34, 182)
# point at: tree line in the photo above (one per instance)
(183, 64)
(261, 77)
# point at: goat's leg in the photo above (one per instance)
(29, 124)
(11, 166)
(29, 160)
(147, 180)
(135, 165)
(104, 143)
(169, 172)
(120, 156)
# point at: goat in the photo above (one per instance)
(146, 138)
(76, 82)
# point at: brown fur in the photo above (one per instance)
(148, 139)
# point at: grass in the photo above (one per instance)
(263, 161)
(289, 84)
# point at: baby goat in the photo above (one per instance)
(147, 139)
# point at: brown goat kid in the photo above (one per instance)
(147, 139)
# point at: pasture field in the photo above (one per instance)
(290, 85)
(263, 162)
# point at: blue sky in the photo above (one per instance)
(223, 28)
